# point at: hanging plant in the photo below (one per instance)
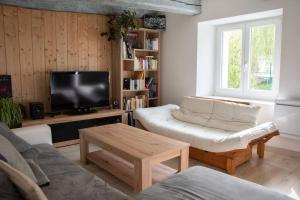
(119, 25)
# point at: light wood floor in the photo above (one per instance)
(279, 170)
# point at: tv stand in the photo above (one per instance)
(65, 127)
(81, 111)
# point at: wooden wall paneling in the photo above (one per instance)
(101, 53)
(107, 45)
(61, 41)
(36, 42)
(50, 48)
(83, 58)
(38, 56)
(92, 41)
(12, 49)
(72, 42)
(25, 41)
(2, 45)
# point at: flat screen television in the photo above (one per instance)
(77, 90)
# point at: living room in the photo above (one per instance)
(191, 99)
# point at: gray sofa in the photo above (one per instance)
(69, 181)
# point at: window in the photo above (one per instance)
(248, 59)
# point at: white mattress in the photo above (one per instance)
(159, 120)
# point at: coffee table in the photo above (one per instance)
(131, 154)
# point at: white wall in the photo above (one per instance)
(179, 45)
(179, 51)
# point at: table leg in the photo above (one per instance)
(142, 175)
(183, 161)
(84, 149)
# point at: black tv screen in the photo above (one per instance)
(74, 90)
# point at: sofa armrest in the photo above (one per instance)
(35, 134)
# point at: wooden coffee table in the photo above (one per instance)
(131, 154)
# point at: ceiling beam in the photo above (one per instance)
(185, 7)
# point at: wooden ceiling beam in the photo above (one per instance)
(185, 7)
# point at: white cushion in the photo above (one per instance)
(217, 114)
(191, 117)
(233, 116)
(198, 105)
(160, 120)
(194, 110)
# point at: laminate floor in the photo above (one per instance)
(279, 170)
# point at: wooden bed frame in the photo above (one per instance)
(231, 159)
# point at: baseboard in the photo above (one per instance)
(285, 143)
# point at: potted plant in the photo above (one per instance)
(119, 25)
(10, 113)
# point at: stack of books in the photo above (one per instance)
(152, 43)
(134, 102)
(138, 84)
(148, 63)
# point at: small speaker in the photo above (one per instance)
(36, 110)
(115, 104)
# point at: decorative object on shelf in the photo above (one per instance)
(10, 113)
(126, 83)
(119, 25)
(5, 86)
(155, 22)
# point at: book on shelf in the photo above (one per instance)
(152, 43)
(149, 82)
(152, 86)
(137, 84)
(129, 43)
(135, 102)
(124, 47)
(147, 63)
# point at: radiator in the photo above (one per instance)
(287, 117)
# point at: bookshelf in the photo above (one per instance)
(136, 69)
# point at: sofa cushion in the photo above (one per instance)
(69, 181)
(233, 116)
(2, 158)
(198, 105)
(204, 183)
(194, 110)
(217, 114)
(42, 178)
(29, 189)
(20, 144)
(14, 158)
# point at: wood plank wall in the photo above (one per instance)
(36, 42)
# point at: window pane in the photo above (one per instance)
(232, 58)
(262, 46)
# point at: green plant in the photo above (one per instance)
(10, 113)
(119, 25)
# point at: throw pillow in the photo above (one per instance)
(42, 178)
(2, 158)
(14, 158)
(20, 144)
(27, 187)
(8, 190)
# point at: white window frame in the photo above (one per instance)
(244, 91)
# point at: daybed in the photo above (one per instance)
(221, 133)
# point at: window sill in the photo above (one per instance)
(243, 100)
